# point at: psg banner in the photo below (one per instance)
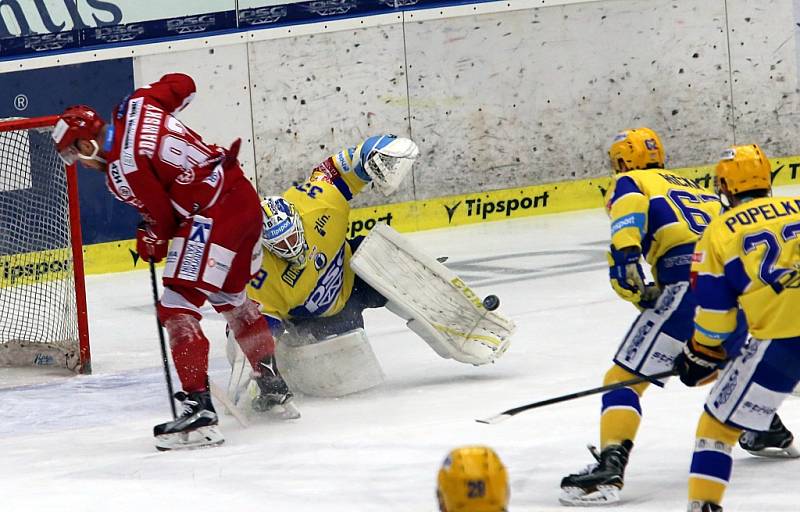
(40, 27)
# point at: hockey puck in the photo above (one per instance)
(491, 302)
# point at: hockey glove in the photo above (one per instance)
(148, 245)
(626, 274)
(649, 297)
(226, 158)
(699, 364)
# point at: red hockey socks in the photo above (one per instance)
(251, 331)
(189, 351)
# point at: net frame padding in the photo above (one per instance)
(43, 317)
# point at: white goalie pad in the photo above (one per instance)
(390, 165)
(437, 304)
(333, 367)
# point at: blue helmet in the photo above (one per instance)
(282, 231)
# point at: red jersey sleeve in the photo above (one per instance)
(173, 92)
(153, 201)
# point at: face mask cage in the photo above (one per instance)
(71, 155)
(287, 240)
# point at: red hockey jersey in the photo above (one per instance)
(158, 164)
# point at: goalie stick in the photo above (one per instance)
(498, 418)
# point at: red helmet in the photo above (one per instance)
(77, 122)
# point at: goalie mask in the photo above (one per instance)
(76, 123)
(472, 479)
(386, 159)
(282, 231)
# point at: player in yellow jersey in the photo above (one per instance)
(472, 479)
(658, 216)
(309, 293)
(748, 259)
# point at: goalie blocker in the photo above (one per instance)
(437, 305)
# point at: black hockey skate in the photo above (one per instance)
(274, 396)
(696, 506)
(600, 483)
(777, 442)
(196, 427)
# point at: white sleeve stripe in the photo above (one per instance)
(711, 274)
(220, 185)
(179, 209)
(127, 157)
(710, 310)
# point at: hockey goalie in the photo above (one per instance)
(314, 284)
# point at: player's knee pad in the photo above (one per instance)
(334, 366)
(241, 317)
(619, 374)
(176, 301)
(710, 428)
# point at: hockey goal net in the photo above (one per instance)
(42, 294)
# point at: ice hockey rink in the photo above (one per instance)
(85, 443)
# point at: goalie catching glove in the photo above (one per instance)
(627, 277)
(699, 364)
(387, 159)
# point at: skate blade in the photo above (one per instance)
(790, 452)
(202, 437)
(577, 497)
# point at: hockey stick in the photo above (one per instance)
(220, 396)
(164, 359)
(492, 420)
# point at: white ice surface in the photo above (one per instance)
(84, 443)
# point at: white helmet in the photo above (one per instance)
(282, 231)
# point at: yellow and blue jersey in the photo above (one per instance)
(324, 285)
(747, 258)
(660, 213)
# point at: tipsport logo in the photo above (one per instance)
(504, 207)
(359, 227)
(34, 272)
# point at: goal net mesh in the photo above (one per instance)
(38, 312)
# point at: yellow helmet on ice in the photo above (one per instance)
(744, 168)
(472, 479)
(639, 148)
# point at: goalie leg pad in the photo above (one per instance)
(332, 367)
(438, 305)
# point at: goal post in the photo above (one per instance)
(43, 314)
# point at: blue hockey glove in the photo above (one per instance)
(626, 275)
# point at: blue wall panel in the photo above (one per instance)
(49, 91)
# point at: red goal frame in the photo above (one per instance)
(75, 235)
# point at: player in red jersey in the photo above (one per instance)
(199, 212)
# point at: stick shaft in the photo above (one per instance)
(161, 339)
(587, 392)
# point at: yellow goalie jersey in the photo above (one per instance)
(749, 257)
(656, 211)
(324, 285)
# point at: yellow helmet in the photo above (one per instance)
(744, 168)
(639, 148)
(472, 479)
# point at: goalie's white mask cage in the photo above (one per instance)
(42, 292)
